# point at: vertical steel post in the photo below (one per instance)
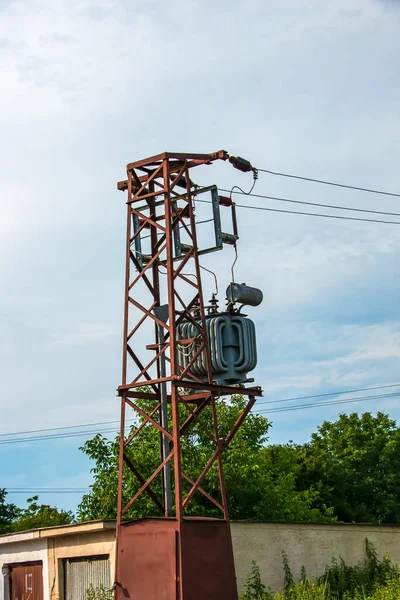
(162, 313)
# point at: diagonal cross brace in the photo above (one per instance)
(141, 480)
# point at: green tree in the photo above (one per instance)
(255, 489)
(354, 464)
(285, 501)
(13, 518)
(8, 513)
(40, 515)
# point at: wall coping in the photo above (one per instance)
(59, 530)
(110, 524)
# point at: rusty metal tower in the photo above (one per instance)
(172, 557)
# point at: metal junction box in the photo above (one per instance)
(160, 559)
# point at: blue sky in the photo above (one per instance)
(87, 86)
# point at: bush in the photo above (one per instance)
(99, 593)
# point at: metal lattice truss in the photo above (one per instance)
(162, 290)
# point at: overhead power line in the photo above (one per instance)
(328, 403)
(295, 398)
(264, 411)
(56, 436)
(321, 205)
(335, 184)
(354, 391)
(46, 491)
(307, 214)
(59, 428)
(39, 491)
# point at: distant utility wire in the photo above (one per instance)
(335, 184)
(46, 490)
(59, 428)
(39, 491)
(321, 205)
(57, 436)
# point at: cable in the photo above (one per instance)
(334, 206)
(337, 393)
(213, 274)
(308, 214)
(342, 185)
(367, 389)
(276, 410)
(38, 492)
(59, 428)
(56, 436)
(262, 412)
(236, 187)
(205, 221)
(328, 403)
(27, 488)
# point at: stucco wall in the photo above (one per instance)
(305, 544)
(22, 550)
(73, 546)
(311, 545)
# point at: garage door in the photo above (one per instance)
(83, 572)
(26, 581)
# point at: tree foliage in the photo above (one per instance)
(8, 513)
(257, 488)
(348, 471)
(354, 464)
(13, 518)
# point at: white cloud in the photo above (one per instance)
(85, 333)
(304, 87)
(367, 343)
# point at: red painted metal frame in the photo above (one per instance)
(150, 180)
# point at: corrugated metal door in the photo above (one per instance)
(26, 581)
(81, 573)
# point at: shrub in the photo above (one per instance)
(371, 579)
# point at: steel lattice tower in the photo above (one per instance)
(169, 557)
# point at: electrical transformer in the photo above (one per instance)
(231, 339)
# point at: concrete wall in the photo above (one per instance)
(310, 545)
(73, 546)
(22, 548)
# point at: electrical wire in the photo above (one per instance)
(213, 274)
(367, 389)
(262, 412)
(335, 184)
(46, 491)
(234, 263)
(28, 490)
(60, 428)
(236, 187)
(56, 436)
(337, 393)
(328, 403)
(310, 214)
(321, 205)
(205, 221)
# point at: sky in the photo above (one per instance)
(304, 87)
